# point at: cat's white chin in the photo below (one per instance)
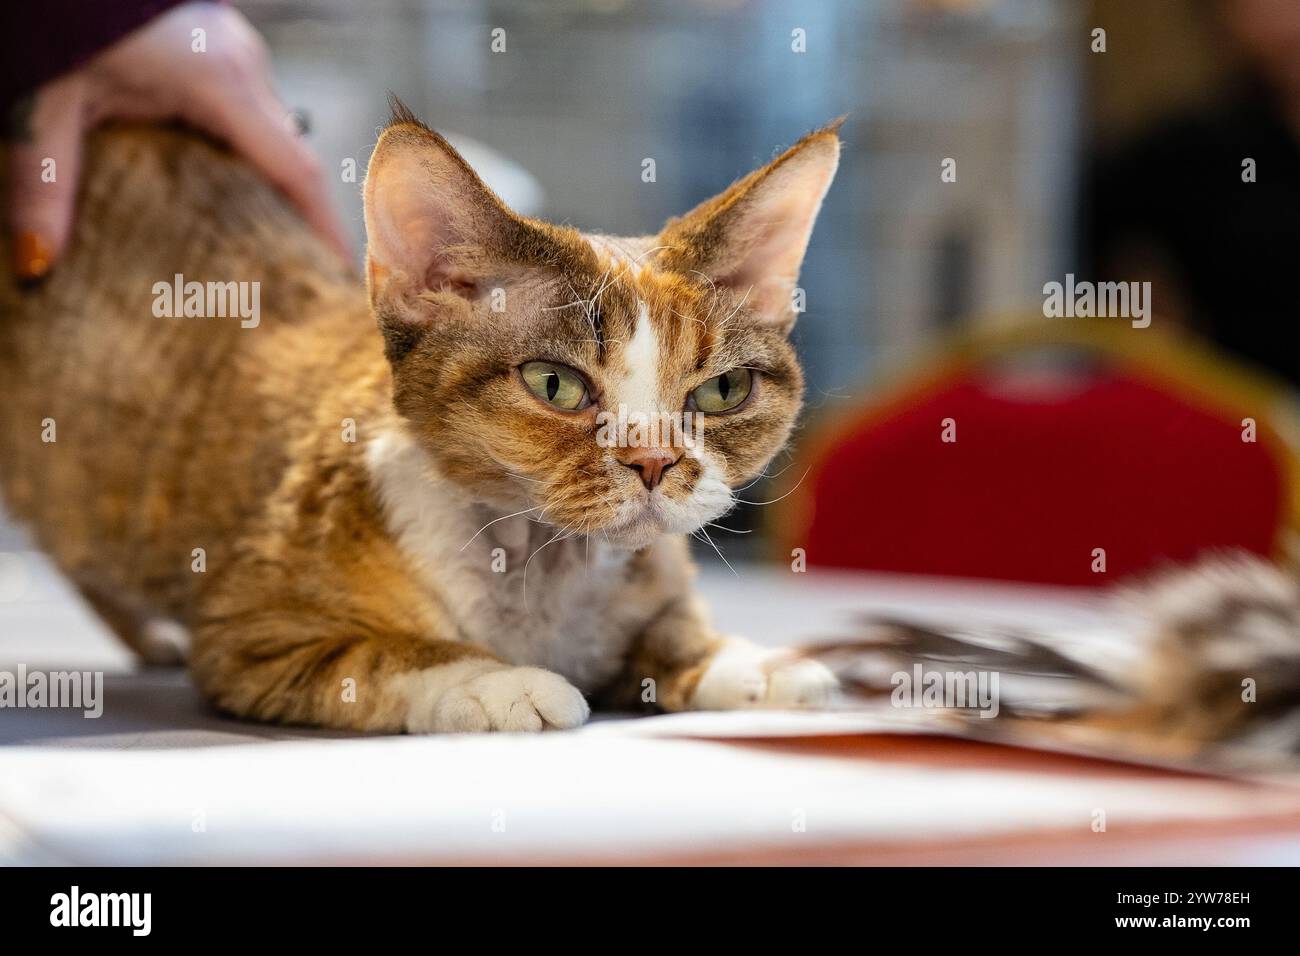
(645, 519)
(633, 535)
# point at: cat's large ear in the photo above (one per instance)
(753, 236)
(432, 228)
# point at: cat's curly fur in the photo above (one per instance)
(373, 524)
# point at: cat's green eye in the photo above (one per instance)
(723, 392)
(557, 385)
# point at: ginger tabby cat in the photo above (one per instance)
(387, 508)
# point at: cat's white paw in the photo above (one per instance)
(743, 676)
(477, 696)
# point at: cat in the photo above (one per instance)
(385, 508)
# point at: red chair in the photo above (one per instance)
(1066, 445)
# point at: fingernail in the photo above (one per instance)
(32, 256)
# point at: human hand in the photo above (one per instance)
(155, 74)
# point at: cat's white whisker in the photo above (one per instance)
(648, 252)
(775, 500)
(719, 552)
(625, 263)
(585, 303)
(688, 318)
(558, 535)
(738, 307)
(763, 474)
(707, 278)
(595, 299)
(603, 284)
(714, 524)
(514, 474)
(494, 521)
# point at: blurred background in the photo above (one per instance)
(1104, 140)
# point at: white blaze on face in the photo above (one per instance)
(640, 388)
(708, 497)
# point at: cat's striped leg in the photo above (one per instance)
(306, 668)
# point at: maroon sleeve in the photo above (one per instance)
(41, 39)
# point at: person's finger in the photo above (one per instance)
(44, 163)
(258, 129)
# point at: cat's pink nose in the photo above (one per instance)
(651, 463)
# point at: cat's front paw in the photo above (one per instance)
(742, 676)
(484, 697)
